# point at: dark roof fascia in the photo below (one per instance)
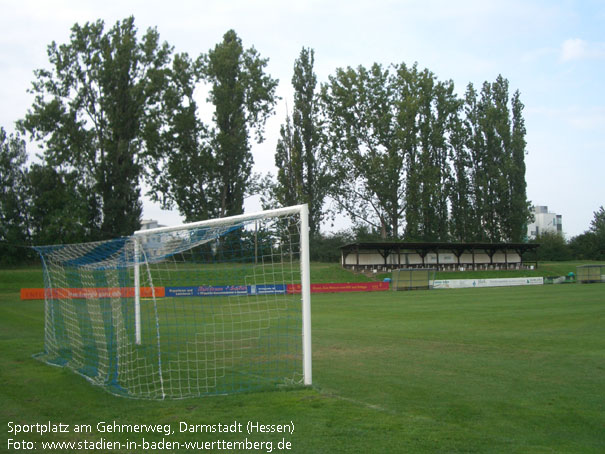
(433, 246)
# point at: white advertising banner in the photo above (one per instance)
(500, 282)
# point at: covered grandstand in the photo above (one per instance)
(442, 256)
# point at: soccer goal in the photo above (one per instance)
(412, 278)
(588, 274)
(212, 307)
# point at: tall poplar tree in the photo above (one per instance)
(302, 174)
(461, 202)
(495, 134)
(244, 97)
(519, 211)
(431, 110)
(181, 166)
(287, 190)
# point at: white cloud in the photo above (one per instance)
(578, 49)
(589, 119)
(571, 118)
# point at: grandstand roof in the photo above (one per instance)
(431, 246)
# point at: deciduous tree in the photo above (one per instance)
(58, 208)
(597, 230)
(367, 159)
(389, 132)
(90, 114)
(13, 212)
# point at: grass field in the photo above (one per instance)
(503, 370)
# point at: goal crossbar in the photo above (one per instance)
(296, 209)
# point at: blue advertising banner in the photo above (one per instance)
(179, 291)
(226, 290)
(267, 289)
(222, 290)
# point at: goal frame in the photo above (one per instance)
(412, 282)
(303, 212)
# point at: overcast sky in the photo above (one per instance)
(553, 52)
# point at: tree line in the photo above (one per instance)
(393, 148)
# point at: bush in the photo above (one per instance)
(326, 247)
(553, 247)
(585, 247)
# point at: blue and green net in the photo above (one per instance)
(217, 309)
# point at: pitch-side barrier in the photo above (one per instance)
(226, 290)
(202, 290)
(480, 283)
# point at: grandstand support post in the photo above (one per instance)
(306, 293)
(137, 294)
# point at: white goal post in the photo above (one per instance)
(212, 307)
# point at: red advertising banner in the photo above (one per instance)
(160, 292)
(97, 292)
(342, 287)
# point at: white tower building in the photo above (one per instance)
(544, 222)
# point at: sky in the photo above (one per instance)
(553, 52)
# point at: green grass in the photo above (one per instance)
(12, 280)
(323, 272)
(213, 346)
(333, 272)
(31, 276)
(503, 370)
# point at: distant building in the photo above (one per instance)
(544, 222)
(148, 224)
(153, 244)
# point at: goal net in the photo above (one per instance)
(587, 274)
(212, 307)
